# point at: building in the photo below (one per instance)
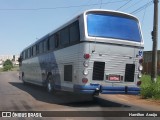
(147, 64)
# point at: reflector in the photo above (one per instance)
(141, 60)
(84, 80)
(86, 56)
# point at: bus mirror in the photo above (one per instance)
(19, 59)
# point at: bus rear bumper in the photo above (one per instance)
(120, 90)
(91, 89)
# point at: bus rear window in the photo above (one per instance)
(112, 26)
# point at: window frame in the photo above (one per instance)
(114, 16)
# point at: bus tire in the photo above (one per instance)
(23, 79)
(95, 94)
(50, 84)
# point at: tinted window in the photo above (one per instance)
(74, 32)
(41, 47)
(64, 36)
(46, 45)
(37, 49)
(110, 26)
(56, 38)
(29, 52)
(26, 54)
(34, 50)
(51, 43)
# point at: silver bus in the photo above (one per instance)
(99, 51)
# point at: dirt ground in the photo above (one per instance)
(148, 104)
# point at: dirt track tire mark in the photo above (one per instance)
(25, 105)
(15, 106)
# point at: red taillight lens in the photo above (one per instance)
(86, 56)
(84, 80)
(139, 83)
(141, 60)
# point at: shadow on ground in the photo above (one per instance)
(65, 98)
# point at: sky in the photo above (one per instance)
(22, 22)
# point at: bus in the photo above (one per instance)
(99, 51)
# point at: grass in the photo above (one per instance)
(1, 70)
(150, 89)
(15, 68)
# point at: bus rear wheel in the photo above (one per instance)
(22, 78)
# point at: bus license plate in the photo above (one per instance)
(114, 77)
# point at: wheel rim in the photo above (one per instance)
(23, 80)
(49, 87)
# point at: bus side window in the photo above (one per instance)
(26, 54)
(74, 32)
(64, 36)
(46, 45)
(23, 55)
(37, 49)
(31, 51)
(56, 38)
(41, 47)
(51, 43)
(34, 50)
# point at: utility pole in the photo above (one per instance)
(155, 42)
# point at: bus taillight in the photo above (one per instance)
(84, 80)
(139, 83)
(86, 56)
(141, 60)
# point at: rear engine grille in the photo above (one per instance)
(98, 71)
(129, 72)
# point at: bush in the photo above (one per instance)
(156, 89)
(7, 65)
(150, 89)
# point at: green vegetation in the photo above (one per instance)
(7, 65)
(15, 68)
(150, 89)
(1, 70)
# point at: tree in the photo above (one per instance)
(7, 65)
